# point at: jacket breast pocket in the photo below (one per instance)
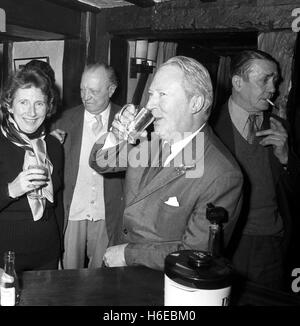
(171, 221)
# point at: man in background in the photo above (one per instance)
(93, 203)
(258, 140)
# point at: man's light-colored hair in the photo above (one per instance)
(197, 80)
(109, 70)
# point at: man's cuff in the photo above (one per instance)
(129, 254)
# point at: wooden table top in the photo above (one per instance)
(123, 286)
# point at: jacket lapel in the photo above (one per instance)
(113, 110)
(165, 176)
(223, 128)
(168, 174)
(75, 140)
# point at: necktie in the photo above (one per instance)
(164, 153)
(97, 125)
(252, 128)
(151, 171)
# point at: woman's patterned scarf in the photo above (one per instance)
(35, 153)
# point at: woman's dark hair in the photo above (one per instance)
(43, 66)
(26, 78)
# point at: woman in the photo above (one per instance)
(45, 68)
(31, 162)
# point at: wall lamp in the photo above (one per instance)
(144, 60)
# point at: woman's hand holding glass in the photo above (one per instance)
(32, 179)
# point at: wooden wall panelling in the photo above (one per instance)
(91, 55)
(118, 59)
(73, 65)
(280, 45)
(75, 56)
(102, 37)
(6, 62)
(293, 104)
(42, 15)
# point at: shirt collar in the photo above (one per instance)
(179, 145)
(239, 116)
(176, 147)
(90, 118)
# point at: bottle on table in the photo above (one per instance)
(216, 216)
(10, 291)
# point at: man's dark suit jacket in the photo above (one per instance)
(284, 177)
(72, 123)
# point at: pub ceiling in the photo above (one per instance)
(101, 4)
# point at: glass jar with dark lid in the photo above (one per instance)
(198, 269)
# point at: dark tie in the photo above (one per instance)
(97, 125)
(151, 171)
(252, 128)
(165, 151)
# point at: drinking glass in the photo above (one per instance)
(37, 193)
(143, 118)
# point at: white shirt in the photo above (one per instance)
(239, 118)
(88, 197)
(179, 145)
(175, 147)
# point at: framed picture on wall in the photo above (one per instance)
(21, 62)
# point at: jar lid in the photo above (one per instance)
(198, 269)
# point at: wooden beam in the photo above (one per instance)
(7, 61)
(42, 15)
(142, 3)
(117, 19)
(193, 16)
(151, 3)
(102, 38)
(76, 5)
(192, 19)
(18, 33)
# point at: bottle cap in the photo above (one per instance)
(198, 269)
(216, 214)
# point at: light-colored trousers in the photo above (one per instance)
(85, 240)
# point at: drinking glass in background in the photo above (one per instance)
(37, 193)
(143, 118)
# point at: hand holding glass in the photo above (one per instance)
(143, 118)
(37, 193)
